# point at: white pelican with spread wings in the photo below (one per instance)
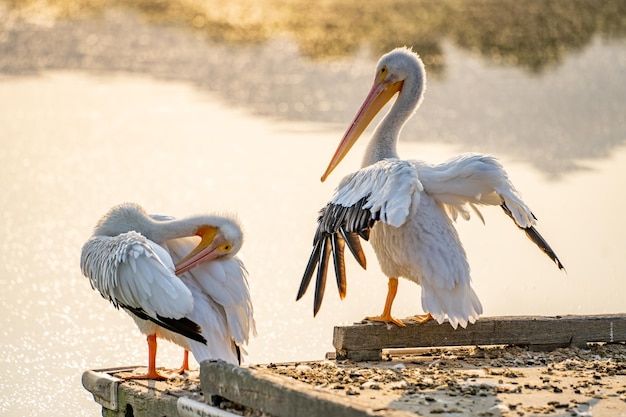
(406, 208)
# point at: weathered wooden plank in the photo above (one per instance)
(103, 387)
(281, 396)
(178, 397)
(140, 401)
(364, 341)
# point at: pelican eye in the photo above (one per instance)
(226, 247)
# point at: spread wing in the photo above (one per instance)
(136, 274)
(471, 180)
(383, 192)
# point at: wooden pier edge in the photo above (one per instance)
(120, 398)
(281, 396)
(366, 340)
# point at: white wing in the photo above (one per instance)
(470, 180)
(135, 273)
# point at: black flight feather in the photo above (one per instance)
(322, 272)
(354, 244)
(310, 269)
(337, 226)
(338, 261)
(238, 352)
(536, 238)
(184, 326)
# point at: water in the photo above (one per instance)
(209, 126)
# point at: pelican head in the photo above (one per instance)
(399, 71)
(220, 236)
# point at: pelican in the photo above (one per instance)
(193, 292)
(406, 208)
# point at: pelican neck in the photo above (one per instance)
(383, 143)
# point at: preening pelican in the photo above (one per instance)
(410, 206)
(179, 279)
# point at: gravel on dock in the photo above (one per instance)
(492, 381)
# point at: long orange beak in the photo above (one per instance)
(204, 252)
(378, 96)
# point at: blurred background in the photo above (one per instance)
(192, 106)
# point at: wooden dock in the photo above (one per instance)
(179, 397)
(392, 372)
(367, 340)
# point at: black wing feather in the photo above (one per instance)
(338, 261)
(310, 268)
(365, 234)
(354, 244)
(536, 238)
(338, 226)
(184, 326)
(322, 272)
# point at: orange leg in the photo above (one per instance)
(185, 366)
(152, 372)
(391, 294)
(422, 318)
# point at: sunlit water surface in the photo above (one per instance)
(75, 144)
